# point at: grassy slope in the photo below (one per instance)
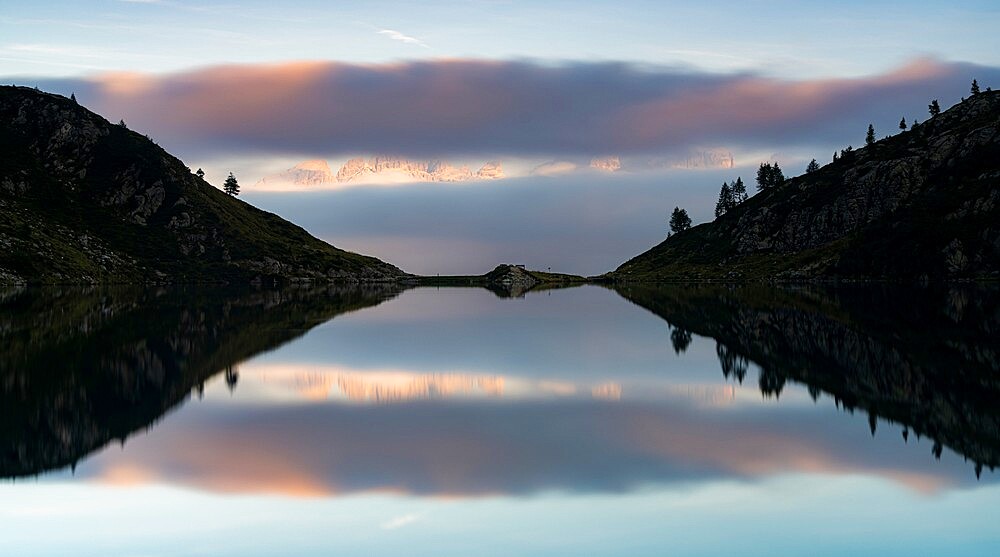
(906, 242)
(45, 223)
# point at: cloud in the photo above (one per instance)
(400, 521)
(397, 36)
(553, 168)
(505, 108)
(467, 449)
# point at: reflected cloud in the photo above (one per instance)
(468, 449)
(919, 356)
(400, 521)
(489, 426)
(607, 391)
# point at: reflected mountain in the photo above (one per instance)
(927, 358)
(391, 401)
(81, 367)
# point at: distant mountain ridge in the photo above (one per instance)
(924, 204)
(85, 201)
(378, 169)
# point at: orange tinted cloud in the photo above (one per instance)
(467, 449)
(475, 106)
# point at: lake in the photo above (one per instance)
(681, 420)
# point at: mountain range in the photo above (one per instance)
(379, 169)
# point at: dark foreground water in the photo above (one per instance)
(671, 421)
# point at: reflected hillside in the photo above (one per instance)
(924, 357)
(84, 366)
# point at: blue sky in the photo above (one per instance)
(782, 38)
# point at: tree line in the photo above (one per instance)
(771, 176)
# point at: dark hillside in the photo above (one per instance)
(83, 200)
(924, 204)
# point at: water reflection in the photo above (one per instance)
(393, 399)
(924, 357)
(82, 367)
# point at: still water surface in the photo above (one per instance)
(650, 421)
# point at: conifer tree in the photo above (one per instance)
(725, 201)
(777, 176)
(769, 176)
(200, 173)
(739, 191)
(814, 166)
(231, 186)
(764, 176)
(870, 136)
(934, 108)
(902, 124)
(679, 220)
(975, 87)
(72, 97)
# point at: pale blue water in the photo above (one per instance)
(454, 422)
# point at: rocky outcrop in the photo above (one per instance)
(608, 164)
(377, 169)
(514, 280)
(85, 201)
(921, 205)
(716, 158)
(395, 169)
(492, 170)
(306, 173)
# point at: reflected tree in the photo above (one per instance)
(771, 383)
(681, 339)
(232, 377)
(67, 390)
(733, 365)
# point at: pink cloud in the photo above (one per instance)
(474, 106)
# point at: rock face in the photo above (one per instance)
(85, 201)
(513, 280)
(492, 170)
(381, 169)
(921, 205)
(306, 173)
(608, 164)
(716, 158)
(394, 169)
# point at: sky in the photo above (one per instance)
(255, 87)
(785, 38)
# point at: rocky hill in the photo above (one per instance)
(924, 204)
(83, 200)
